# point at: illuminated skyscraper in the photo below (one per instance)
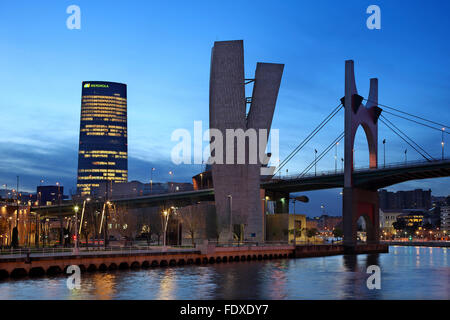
(103, 149)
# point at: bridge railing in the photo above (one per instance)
(246, 243)
(89, 250)
(392, 165)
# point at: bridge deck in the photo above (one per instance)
(372, 179)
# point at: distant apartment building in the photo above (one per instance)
(413, 199)
(48, 195)
(312, 223)
(327, 223)
(412, 220)
(445, 219)
(387, 219)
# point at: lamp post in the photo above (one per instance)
(106, 237)
(335, 157)
(151, 180)
(82, 218)
(171, 177)
(61, 230)
(315, 162)
(165, 220)
(38, 220)
(384, 153)
(76, 228)
(442, 143)
(406, 156)
(230, 201)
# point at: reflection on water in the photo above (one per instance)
(406, 273)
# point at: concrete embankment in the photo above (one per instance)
(38, 265)
(48, 264)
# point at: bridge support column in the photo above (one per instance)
(360, 203)
(236, 178)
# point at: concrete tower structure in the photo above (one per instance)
(238, 196)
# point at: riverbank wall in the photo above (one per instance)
(53, 264)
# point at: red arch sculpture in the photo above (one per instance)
(359, 202)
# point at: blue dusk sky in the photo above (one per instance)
(161, 50)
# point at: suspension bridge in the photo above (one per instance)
(360, 185)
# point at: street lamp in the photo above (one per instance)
(442, 143)
(76, 208)
(82, 213)
(61, 230)
(171, 175)
(230, 199)
(335, 157)
(165, 220)
(384, 153)
(315, 162)
(151, 180)
(201, 180)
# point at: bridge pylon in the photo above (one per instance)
(359, 202)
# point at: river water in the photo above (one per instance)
(406, 273)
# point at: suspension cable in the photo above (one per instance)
(411, 140)
(403, 139)
(409, 114)
(422, 124)
(322, 154)
(308, 138)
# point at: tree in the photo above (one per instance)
(155, 222)
(149, 223)
(15, 238)
(296, 231)
(4, 227)
(337, 233)
(399, 225)
(126, 222)
(87, 225)
(193, 222)
(311, 232)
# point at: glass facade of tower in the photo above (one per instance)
(103, 149)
